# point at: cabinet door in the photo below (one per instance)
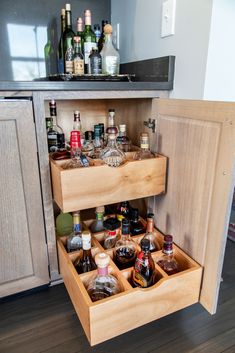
(199, 139)
(23, 260)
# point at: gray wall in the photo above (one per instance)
(24, 32)
(140, 28)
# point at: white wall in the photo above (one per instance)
(220, 73)
(140, 26)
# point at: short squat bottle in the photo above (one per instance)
(95, 62)
(150, 235)
(112, 227)
(86, 262)
(136, 226)
(97, 225)
(74, 241)
(125, 248)
(144, 152)
(103, 285)
(111, 154)
(144, 268)
(167, 261)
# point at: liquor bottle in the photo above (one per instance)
(167, 261)
(111, 154)
(102, 37)
(68, 34)
(97, 32)
(77, 126)
(75, 149)
(49, 123)
(110, 56)
(136, 226)
(111, 124)
(74, 241)
(144, 152)
(112, 226)
(88, 146)
(98, 143)
(80, 32)
(97, 225)
(69, 58)
(78, 60)
(123, 210)
(123, 140)
(55, 134)
(103, 285)
(86, 262)
(95, 64)
(64, 224)
(89, 39)
(143, 272)
(60, 54)
(154, 244)
(125, 248)
(49, 52)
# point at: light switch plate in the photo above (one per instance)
(168, 18)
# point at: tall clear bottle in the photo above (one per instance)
(110, 56)
(103, 285)
(150, 235)
(68, 34)
(97, 225)
(60, 54)
(55, 134)
(89, 39)
(74, 241)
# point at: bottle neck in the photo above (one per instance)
(167, 248)
(102, 271)
(149, 225)
(111, 140)
(108, 39)
(77, 48)
(68, 21)
(62, 24)
(111, 119)
(99, 216)
(76, 223)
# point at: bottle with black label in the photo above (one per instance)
(55, 134)
(95, 62)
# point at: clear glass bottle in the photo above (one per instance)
(154, 244)
(89, 39)
(60, 54)
(125, 248)
(74, 240)
(123, 140)
(123, 210)
(144, 268)
(97, 225)
(78, 60)
(95, 64)
(111, 154)
(86, 262)
(69, 57)
(98, 143)
(80, 32)
(55, 134)
(145, 152)
(167, 261)
(110, 56)
(68, 34)
(88, 146)
(103, 285)
(136, 226)
(75, 151)
(77, 126)
(112, 227)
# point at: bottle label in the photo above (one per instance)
(87, 50)
(68, 67)
(86, 243)
(102, 271)
(111, 65)
(96, 66)
(77, 228)
(144, 145)
(138, 278)
(78, 66)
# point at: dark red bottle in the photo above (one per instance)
(167, 261)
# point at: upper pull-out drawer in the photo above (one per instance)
(97, 185)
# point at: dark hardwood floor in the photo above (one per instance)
(45, 322)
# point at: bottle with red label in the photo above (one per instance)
(144, 268)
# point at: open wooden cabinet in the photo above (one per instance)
(191, 198)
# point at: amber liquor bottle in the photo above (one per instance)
(86, 262)
(167, 261)
(150, 234)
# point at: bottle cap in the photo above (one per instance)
(102, 260)
(108, 29)
(52, 102)
(150, 215)
(168, 238)
(111, 224)
(99, 209)
(144, 135)
(111, 110)
(62, 12)
(67, 7)
(145, 244)
(86, 240)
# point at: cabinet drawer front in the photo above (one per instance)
(133, 307)
(83, 188)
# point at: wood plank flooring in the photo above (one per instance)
(45, 322)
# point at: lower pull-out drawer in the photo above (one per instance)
(132, 307)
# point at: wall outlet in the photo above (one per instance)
(116, 35)
(168, 18)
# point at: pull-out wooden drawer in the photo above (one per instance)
(97, 185)
(132, 307)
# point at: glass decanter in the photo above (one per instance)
(112, 226)
(97, 225)
(125, 248)
(143, 272)
(111, 154)
(154, 244)
(110, 56)
(144, 152)
(167, 261)
(103, 285)
(74, 241)
(86, 262)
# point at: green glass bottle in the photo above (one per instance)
(60, 53)
(89, 39)
(80, 32)
(68, 34)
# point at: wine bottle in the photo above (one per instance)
(68, 34)
(80, 32)
(60, 53)
(89, 39)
